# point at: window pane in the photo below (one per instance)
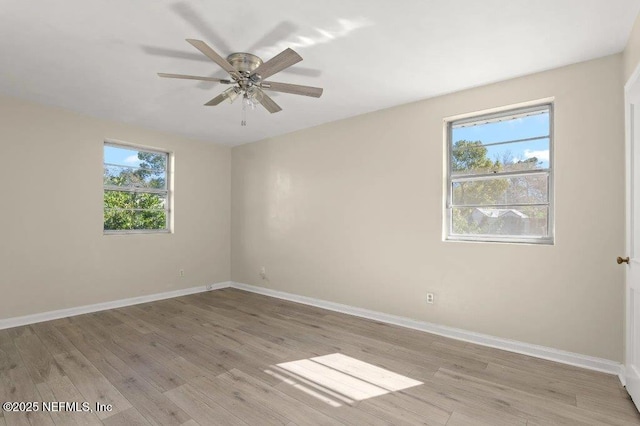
(150, 219)
(530, 189)
(135, 158)
(134, 177)
(153, 161)
(143, 171)
(507, 129)
(115, 220)
(121, 156)
(118, 220)
(499, 169)
(472, 157)
(134, 200)
(529, 221)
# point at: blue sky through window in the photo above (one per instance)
(121, 156)
(518, 128)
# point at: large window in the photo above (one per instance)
(136, 194)
(500, 177)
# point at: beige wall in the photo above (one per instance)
(632, 51)
(53, 253)
(351, 212)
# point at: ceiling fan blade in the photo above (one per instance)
(213, 55)
(294, 89)
(267, 102)
(191, 77)
(282, 60)
(215, 101)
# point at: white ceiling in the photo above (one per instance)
(100, 57)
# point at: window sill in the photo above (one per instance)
(138, 232)
(501, 240)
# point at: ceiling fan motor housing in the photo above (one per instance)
(244, 62)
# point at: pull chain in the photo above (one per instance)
(244, 111)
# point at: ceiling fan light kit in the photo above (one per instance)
(247, 72)
(231, 94)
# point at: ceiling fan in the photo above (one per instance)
(248, 73)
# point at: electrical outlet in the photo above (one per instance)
(431, 298)
(181, 272)
(263, 273)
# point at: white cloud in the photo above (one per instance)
(132, 159)
(540, 155)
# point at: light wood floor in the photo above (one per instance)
(211, 359)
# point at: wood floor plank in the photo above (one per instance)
(137, 324)
(383, 409)
(201, 408)
(53, 340)
(209, 315)
(342, 413)
(527, 382)
(458, 419)
(621, 408)
(238, 402)
(196, 353)
(400, 403)
(37, 359)
(152, 371)
(130, 417)
(19, 331)
(267, 396)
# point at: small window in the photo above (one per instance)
(499, 184)
(136, 195)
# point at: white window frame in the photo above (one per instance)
(483, 118)
(167, 191)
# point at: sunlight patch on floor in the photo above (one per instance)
(337, 378)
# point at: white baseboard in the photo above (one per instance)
(63, 313)
(622, 375)
(557, 355)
